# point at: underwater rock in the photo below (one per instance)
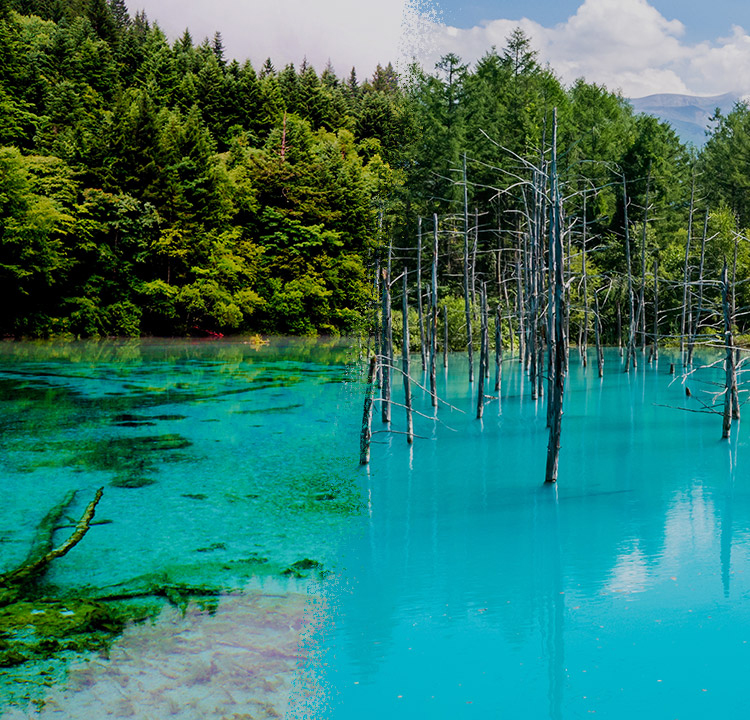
(59, 618)
(212, 547)
(132, 482)
(298, 568)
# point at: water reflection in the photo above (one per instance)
(483, 594)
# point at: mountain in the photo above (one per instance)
(689, 115)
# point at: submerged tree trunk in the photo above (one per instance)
(484, 346)
(585, 333)
(385, 409)
(559, 370)
(656, 307)
(366, 433)
(43, 553)
(729, 363)
(406, 362)
(520, 309)
(422, 344)
(434, 316)
(598, 330)
(498, 351)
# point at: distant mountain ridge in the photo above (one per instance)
(689, 115)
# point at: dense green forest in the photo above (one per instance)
(149, 187)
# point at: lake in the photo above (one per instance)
(442, 581)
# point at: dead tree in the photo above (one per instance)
(656, 307)
(730, 391)
(498, 350)
(484, 346)
(434, 316)
(642, 297)
(406, 361)
(630, 349)
(385, 349)
(13, 583)
(585, 333)
(467, 300)
(686, 277)
(422, 345)
(695, 322)
(598, 338)
(366, 432)
(559, 369)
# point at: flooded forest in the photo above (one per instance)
(324, 396)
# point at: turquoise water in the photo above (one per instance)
(455, 584)
(219, 460)
(473, 591)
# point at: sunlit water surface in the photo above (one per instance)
(458, 585)
(473, 591)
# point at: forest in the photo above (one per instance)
(157, 188)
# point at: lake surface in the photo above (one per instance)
(443, 581)
(474, 591)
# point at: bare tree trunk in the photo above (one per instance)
(498, 350)
(731, 377)
(385, 409)
(484, 345)
(656, 307)
(597, 330)
(585, 334)
(467, 301)
(520, 309)
(474, 262)
(445, 336)
(697, 321)
(559, 370)
(422, 344)
(686, 278)
(642, 298)
(434, 315)
(406, 361)
(366, 434)
(630, 350)
(376, 320)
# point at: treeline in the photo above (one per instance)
(151, 187)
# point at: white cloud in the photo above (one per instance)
(348, 32)
(625, 44)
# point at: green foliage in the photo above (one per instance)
(149, 187)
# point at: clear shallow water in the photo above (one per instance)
(219, 460)
(474, 591)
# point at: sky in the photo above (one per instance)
(639, 47)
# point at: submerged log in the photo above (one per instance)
(13, 582)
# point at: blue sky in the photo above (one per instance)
(639, 47)
(703, 20)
